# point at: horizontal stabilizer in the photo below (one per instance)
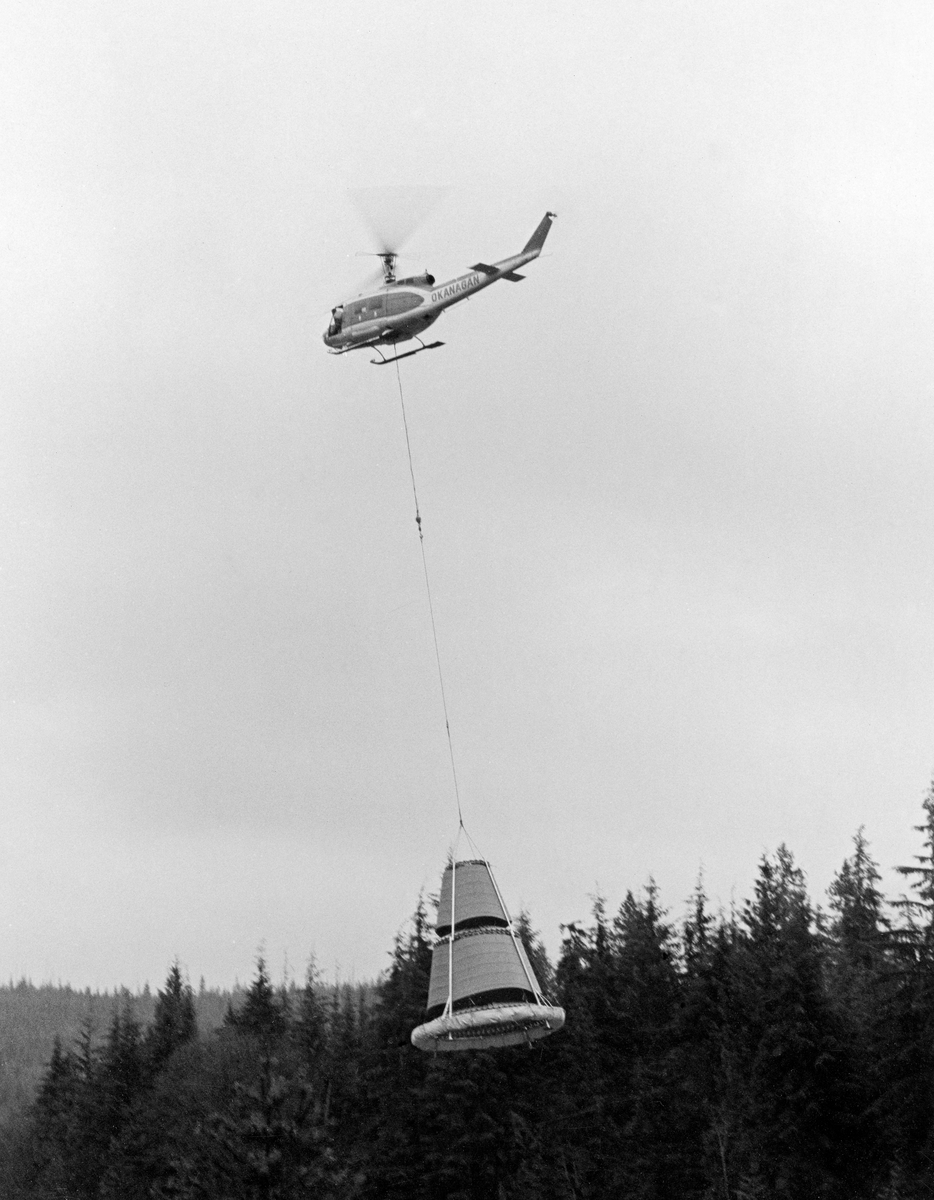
(484, 267)
(513, 276)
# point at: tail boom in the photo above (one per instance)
(482, 274)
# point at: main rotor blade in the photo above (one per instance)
(372, 280)
(394, 213)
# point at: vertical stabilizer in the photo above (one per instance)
(537, 240)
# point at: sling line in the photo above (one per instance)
(535, 989)
(431, 610)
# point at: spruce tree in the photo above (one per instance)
(785, 1061)
(537, 955)
(919, 908)
(269, 1142)
(660, 1156)
(591, 1055)
(310, 1025)
(263, 1014)
(861, 984)
(860, 926)
(52, 1125)
(396, 1071)
(908, 1105)
(119, 1075)
(76, 1158)
(174, 1022)
(708, 947)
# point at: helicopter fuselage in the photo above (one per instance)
(405, 308)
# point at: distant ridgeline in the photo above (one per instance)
(777, 1050)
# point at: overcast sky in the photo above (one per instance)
(676, 487)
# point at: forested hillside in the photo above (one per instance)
(775, 1051)
(32, 1017)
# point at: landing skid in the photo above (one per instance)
(382, 361)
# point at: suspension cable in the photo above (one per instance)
(431, 610)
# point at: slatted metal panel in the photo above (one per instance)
(485, 960)
(475, 897)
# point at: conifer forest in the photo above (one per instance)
(783, 1049)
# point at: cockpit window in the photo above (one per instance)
(370, 309)
(400, 302)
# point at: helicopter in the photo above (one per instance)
(403, 309)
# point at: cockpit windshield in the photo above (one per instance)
(337, 320)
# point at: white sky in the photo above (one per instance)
(676, 487)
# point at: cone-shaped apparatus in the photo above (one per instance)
(487, 995)
(477, 901)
